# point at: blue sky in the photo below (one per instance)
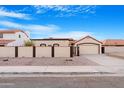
(101, 22)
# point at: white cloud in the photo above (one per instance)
(47, 28)
(12, 14)
(67, 10)
(41, 31)
(33, 28)
(10, 24)
(71, 34)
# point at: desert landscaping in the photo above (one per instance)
(43, 61)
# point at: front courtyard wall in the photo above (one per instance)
(25, 51)
(62, 51)
(35, 52)
(43, 51)
(7, 51)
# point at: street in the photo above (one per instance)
(62, 82)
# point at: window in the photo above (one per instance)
(56, 44)
(19, 36)
(42, 44)
(1, 35)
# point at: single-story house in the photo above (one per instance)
(113, 45)
(88, 45)
(13, 37)
(53, 42)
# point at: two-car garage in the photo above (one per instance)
(89, 49)
(88, 45)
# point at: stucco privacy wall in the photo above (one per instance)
(7, 51)
(43, 51)
(35, 52)
(112, 49)
(25, 51)
(62, 51)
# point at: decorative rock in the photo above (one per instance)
(5, 60)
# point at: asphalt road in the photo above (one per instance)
(62, 82)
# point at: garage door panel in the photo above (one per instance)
(88, 49)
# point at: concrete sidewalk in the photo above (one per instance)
(61, 69)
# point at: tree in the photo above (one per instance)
(29, 43)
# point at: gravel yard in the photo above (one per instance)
(76, 61)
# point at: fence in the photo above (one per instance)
(7, 51)
(36, 51)
(43, 51)
(113, 49)
(62, 51)
(25, 51)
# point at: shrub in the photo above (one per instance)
(29, 43)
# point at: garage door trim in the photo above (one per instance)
(91, 43)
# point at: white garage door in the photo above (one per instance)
(88, 49)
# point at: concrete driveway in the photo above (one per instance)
(105, 60)
(109, 63)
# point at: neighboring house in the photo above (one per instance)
(53, 42)
(113, 45)
(88, 45)
(13, 37)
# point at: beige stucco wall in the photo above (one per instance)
(112, 49)
(51, 42)
(43, 51)
(7, 51)
(25, 51)
(62, 51)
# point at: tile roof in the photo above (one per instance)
(9, 31)
(55, 39)
(113, 42)
(5, 41)
(12, 31)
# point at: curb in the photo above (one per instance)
(56, 73)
